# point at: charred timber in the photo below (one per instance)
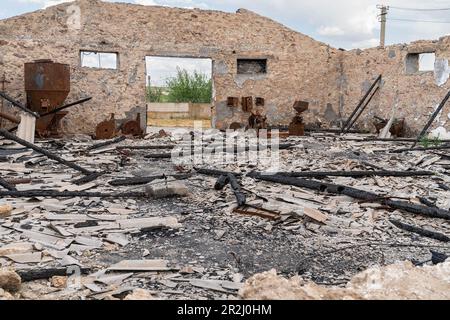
(17, 104)
(41, 274)
(46, 153)
(355, 174)
(420, 231)
(66, 106)
(5, 184)
(444, 147)
(107, 143)
(69, 194)
(240, 197)
(354, 193)
(144, 180)
(215, 173)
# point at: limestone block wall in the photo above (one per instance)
(417, 94)
(298, 66)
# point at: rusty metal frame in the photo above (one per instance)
(258, 211)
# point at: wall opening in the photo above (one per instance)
(99, 60)
(179, 91)
(420, 62)
(252, 66)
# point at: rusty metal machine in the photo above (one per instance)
(297, 126)
(47, 85)
(133, 127)
(106, 129)
(397, 129)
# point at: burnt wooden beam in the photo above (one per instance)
(240, 197)
(46, 153)
(88, 178)
(221, 182)
(144, 180)
(355, 174)
(5, 184)
(107, 143)
(153, 147)
(66, 106)
(432, 118)
(17, 104)
(229, 178)
(41, 274)
(215, 173)
(346, 127)
(443, 147)
(69, 194)
(159, 156)
(420, 231)
(354, 193)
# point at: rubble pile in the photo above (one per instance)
(401, 281)
(145, 227)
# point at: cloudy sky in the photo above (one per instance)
(344, 24)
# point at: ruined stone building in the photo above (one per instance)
(285, 65)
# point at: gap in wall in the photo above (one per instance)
(179, 91)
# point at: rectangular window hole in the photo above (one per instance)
(420, 62)
(252, 66)
(99, 60)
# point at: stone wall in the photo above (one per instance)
(417, 94)
(298, 67)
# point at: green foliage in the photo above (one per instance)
(427, 142)
(185, 87)
(154, 94)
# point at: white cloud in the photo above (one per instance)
(331, 31)
(45, 3)
(146, 2)
(344, 23)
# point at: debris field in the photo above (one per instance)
(136, 225)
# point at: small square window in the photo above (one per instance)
(252, 66)
(420, 62)
(99, 60)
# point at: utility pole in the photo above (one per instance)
(383, 18)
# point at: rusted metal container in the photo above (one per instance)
(47, 85)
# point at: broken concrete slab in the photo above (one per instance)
(35, 257)
(16, 248)
(142, 265)
(161, 189)
(150, 223)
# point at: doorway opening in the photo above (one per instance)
(179, 91)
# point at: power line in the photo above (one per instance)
(419, 9)
(412, 20)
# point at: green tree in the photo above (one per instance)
(185, 87)
(154, 94)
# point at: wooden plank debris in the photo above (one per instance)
(142, 266)
(150, 223)
(420, 231)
